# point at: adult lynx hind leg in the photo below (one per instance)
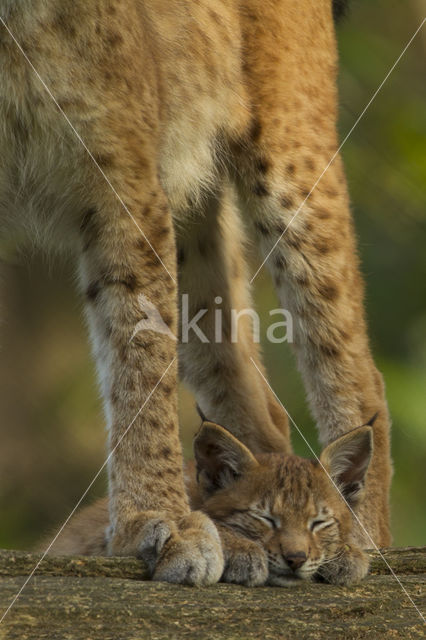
(290, 74)
(216, 362)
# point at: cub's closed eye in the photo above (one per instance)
(316, 524)
(271, 522)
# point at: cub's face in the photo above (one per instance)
(290, 507)
(287, 504)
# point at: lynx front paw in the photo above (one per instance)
(245, 561)
(186, 551)
(347, 568)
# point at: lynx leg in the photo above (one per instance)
(215, 360)
(315, 270)
(314, 263)
(148, 506)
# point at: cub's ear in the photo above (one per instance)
(220, 457)
(347, 460)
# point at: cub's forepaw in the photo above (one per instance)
(350, 566)
(245, 561)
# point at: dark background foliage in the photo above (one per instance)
(51, 428)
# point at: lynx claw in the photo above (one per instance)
(154, 536)
(187, 552)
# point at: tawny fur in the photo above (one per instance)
(185, 108)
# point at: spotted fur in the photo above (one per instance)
(190, 110)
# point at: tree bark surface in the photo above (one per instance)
(81, 598)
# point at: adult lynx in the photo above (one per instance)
(162, 111)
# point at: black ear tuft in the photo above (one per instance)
(372, 420)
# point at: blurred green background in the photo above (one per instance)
(51, 430)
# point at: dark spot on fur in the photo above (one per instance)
(292, 240)
(302, 280)
(104, 160)
(291, 169)
(63, 23)
(323, 246)
(144, 344)
(173, 472)
(255, 130)
(328, 291)
(93, 290)
(166, 452)
(153, 422)
(260, 189)
(322, 214)
(259, 226)
(280, 261)
(310, 164)
(329, 350)
(263, 165)
(130, 282)
(114, 39)
(331, 193)
(163, 231)
(287, 202)
(214, 16)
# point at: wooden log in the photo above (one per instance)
(108, 598)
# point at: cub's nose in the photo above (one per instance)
(295, 559)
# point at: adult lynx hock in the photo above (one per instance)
(279, 517)
(186, 107)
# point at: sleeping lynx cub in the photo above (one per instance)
(130, 130)
(279, 517)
